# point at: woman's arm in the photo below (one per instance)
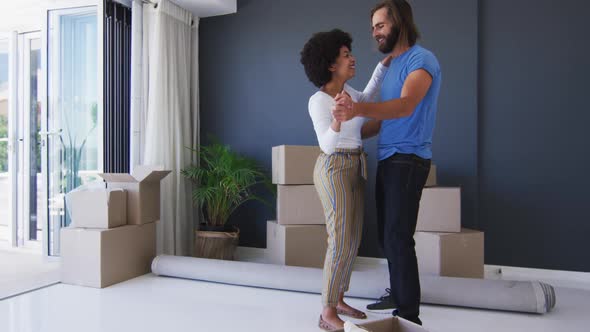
(374, 84)
(327, 129)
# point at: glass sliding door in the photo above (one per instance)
(73, 140)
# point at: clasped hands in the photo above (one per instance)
(344, 107)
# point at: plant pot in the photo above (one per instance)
(217, 242)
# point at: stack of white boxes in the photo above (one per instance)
(112, 237)
(444, 248)
(298, 237)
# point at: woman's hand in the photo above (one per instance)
(344, 108)
(336, 125)
(387, 60)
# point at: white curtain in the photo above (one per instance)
(165, 111)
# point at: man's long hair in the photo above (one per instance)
(400, 13)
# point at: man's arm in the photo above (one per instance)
(414, 90)
(370, 128)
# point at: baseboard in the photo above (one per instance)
(558, 278)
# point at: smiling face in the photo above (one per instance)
(385, 32)
(345, 66)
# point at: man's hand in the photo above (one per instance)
(344, 108)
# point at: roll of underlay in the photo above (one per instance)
(366, 282)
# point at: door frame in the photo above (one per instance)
(13, 137)
(24, 108)
(73, 5)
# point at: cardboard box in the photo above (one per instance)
(294, 164)
(296, 245)
(143, 192)
(391, 324)
(440, 210)
(451, 254)
(299, 205)
(103, 257)
(98, 208)
(431, 181)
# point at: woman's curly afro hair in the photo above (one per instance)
(320, 52)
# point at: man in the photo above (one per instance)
(409, 95)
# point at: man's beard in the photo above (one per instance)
(390, 41)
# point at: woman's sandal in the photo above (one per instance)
(326, 326)
(353, 313)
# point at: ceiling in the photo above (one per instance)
(206, 8)
(27, 15)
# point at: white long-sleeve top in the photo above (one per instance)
(320, 111)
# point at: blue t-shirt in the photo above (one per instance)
(411, 134)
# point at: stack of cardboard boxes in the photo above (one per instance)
(298, 237)
(444, 248)
(112, 237)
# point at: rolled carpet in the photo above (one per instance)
(366, 282)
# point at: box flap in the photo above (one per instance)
(117, 177)
(149, 173)
(156, 176)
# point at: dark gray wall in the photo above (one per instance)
(535, 66)
(254, 92)
(254, 96)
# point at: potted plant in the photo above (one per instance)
(223, 180)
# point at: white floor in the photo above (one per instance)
(23, 270)
(158, 304)
(151, 303)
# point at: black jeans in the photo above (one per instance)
(400, 180)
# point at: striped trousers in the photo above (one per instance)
(339, 179)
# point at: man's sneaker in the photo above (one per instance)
(384, 305)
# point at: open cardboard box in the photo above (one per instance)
(391, 324)
(143, 192)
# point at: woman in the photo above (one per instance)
(340, 171)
